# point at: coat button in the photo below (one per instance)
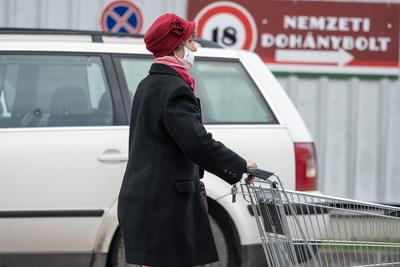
(225, 171)
(229, 172)
(234, 175)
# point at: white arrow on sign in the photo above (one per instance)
(339, 57)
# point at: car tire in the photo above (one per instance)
(221, 244)
(116, 255)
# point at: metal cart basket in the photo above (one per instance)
(299, 229)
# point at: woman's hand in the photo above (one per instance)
(251, 164)
(250, 178)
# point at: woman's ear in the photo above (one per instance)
(179, 52)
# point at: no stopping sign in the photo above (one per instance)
(121, 16)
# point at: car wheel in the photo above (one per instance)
(116, 255)
(221, 244)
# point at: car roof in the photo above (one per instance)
(19, 39)
(44, 40)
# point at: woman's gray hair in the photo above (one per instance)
(179, 47)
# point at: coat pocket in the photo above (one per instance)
(184, 186)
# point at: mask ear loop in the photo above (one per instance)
(186, 54)
(182, 45)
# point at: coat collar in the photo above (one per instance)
(163, 69)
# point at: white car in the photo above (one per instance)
(65, 101)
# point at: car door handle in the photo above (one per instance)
(113, 156)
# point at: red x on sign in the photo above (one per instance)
(121, 16)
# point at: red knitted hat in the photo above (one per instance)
(167, 33)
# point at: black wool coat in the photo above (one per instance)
(162, 217)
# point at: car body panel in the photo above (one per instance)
(66, 196)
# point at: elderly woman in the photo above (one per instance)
(161, 207)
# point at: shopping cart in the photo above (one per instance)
(299, 229)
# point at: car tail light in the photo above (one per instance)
(306, 166)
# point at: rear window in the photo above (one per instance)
(228, 95)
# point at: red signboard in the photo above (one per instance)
(347, 34)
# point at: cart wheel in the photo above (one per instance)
(305, 253)
(222, 246)
(116, 255)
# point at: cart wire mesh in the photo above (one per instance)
(300, 229)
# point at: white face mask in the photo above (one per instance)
(188, 58)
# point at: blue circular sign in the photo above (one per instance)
(121, 16)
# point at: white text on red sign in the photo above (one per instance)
(329, 42)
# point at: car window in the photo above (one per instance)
(134, 71)
(53, 90)
(227, 93)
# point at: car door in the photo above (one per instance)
(237, 113)
(63, 150)
(234, 110)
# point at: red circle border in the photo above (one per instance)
(129, 5)
(231, 10)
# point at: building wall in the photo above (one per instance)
(355, 122)
(76, 14)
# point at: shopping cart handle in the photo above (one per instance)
(262, 174)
